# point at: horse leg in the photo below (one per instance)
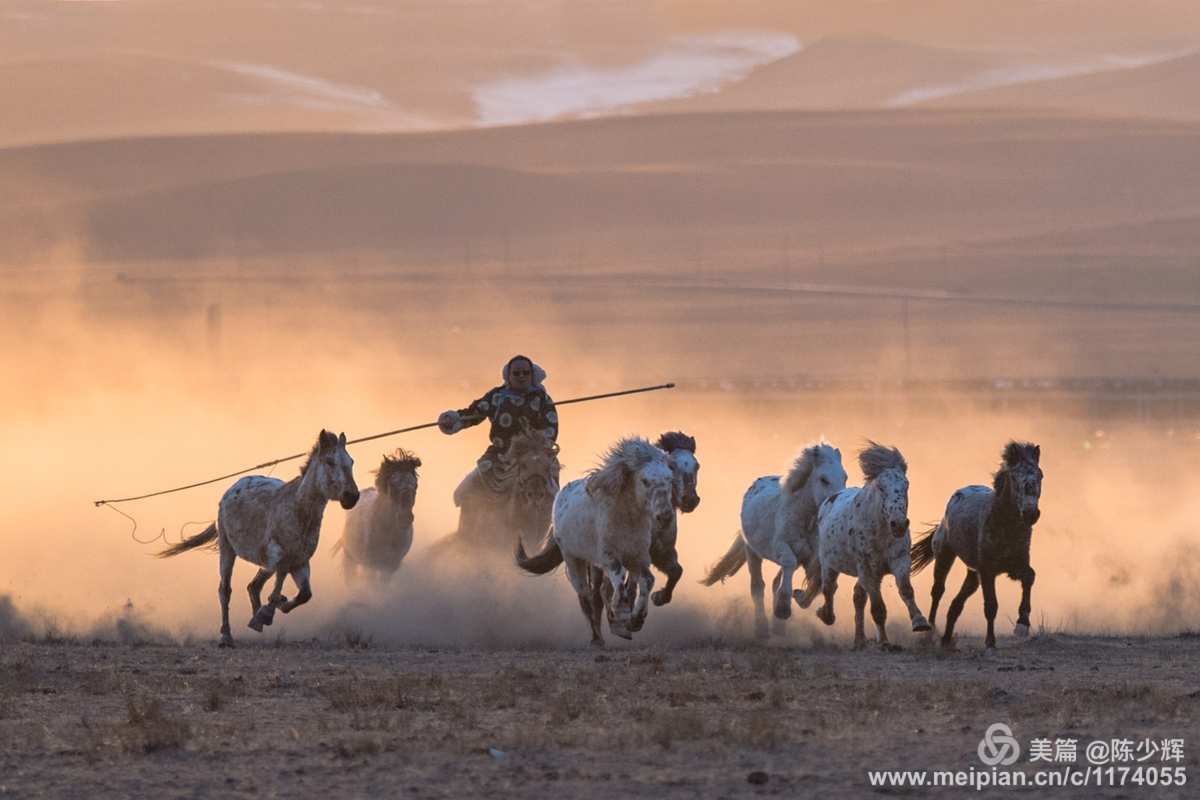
(645, 583)
(941, 568)
(812, 582)
(860, 605)
(904, 585)
(754, 564)
(276, 598)
(622, 603)
(266, 614)
(301, 578)
(829, 581)
(225, 588)
(1022, 627)
(669, 564)
(990, 607)
(970, 584)
(878, 609)
(584, 581)
(255, 588)
(778, 626)
(602, 594)
(783, 595)
(600, 602)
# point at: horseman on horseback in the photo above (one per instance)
(521, 413)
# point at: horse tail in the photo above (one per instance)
(922, 551)
(206, 538)
(548, 558)
(729, 564)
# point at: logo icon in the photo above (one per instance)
(999, 747)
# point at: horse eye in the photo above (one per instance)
(824, 481)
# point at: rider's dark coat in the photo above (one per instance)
(510, 412)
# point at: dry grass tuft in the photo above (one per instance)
(149, 727)
(353, 694)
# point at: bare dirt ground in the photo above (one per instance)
(716, 718)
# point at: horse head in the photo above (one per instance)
(535, 456)
(396, 479)
(333, 469)
(685, 468)
(637, 475)
(818, 471)
(1020, 478)
(886, 470)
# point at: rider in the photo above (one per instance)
(519, 404)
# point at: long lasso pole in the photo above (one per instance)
(396, 432)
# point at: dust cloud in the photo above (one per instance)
(120, 386)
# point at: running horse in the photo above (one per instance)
(276, 526)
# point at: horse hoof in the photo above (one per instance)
(783, 610)
(825, 614)
(597, 643)
(226, 641)
(660, 598)
(637, 623)
(621, 632)
(860, 644)
(921, 626)
(888, 647)
(802, 600)
(1021, 631)
(255, 624)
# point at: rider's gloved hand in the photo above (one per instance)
(449, 422)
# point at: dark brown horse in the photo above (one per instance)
(681, 450)
(990, 530)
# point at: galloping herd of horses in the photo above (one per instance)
(612, 525)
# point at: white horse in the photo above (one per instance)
(779, 524)
(607, 520)
(276, 525)
(379, 530)
(864, 532)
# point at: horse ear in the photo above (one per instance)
(1037, 453)
(342, 438)
(323, 440)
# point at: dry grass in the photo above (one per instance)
(696, 719)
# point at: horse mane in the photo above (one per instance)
(627, 455)
(1015, 454)
(875, 458)
(316, 446)
(804, 464)
(307, 459)
(401, 461)
(676, 440)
